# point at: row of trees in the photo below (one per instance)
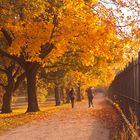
(60, 36)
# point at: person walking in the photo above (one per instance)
(90, 97)
(72, 96)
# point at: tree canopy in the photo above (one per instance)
(86, 38)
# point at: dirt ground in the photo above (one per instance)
(67, 124)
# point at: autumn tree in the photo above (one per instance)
(38, 32)
(11, 77)
(23, 42)
(127, 15)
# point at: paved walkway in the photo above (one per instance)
(68, 124)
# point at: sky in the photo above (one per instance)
(124, 14)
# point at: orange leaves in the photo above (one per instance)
(12, 120)
(72, 26)
(87, 60)
(86, 32)
(73, 78)
(137, 32)
(94, 2)
(122, 3)
(29, 36)
(108, 116)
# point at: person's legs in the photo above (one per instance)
(92, 102)
(89, 102)
(72, 102)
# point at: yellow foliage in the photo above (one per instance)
(77, 28)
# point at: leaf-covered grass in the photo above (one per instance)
(18, 117)
(129, 129)
(110, 118)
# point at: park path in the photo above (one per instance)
(67, 124)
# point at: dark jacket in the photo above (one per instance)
(72, 94)
(89, 93)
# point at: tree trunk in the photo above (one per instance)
(57, 95)
(79, 92)
(49, 91)
(31, 90)
(7, 97)
(62, 95)
(6, 106)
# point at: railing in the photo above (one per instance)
(125, 89)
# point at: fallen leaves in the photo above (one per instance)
(12, 120)
(110, 118)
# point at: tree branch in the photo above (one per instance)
(2, 85)
(16, 72)
(19, 80)
(45, 50)
(3, 70)
(7, 36)
(60, 65)
(14, 58)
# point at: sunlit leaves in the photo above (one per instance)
(82, 26)
(78, 29)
